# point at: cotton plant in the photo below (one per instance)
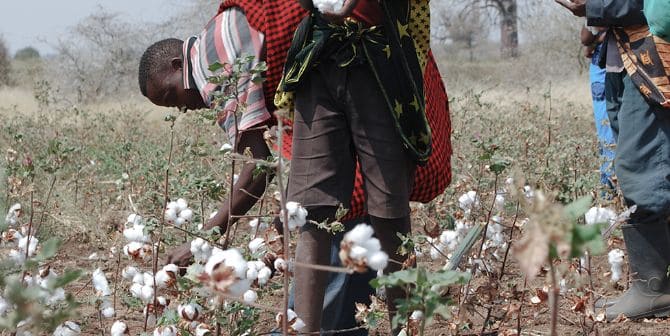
(178, 213)
(359, 249)
(615, 259)
(138, 245)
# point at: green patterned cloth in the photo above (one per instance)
(390, 52)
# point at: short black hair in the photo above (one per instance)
(155, 57)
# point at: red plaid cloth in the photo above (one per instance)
(278, 19)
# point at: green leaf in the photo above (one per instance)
(215, 66)
(48, 249)
(65, 279)
(586, 238)
(578, 208)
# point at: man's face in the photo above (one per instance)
(167, 89)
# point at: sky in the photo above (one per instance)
(32, 22)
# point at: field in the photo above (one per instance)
(519, 128)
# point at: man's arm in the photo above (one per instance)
(615, 12)
(246, 192)
(607, 12)
(248, 188)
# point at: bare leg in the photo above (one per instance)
(310, 285)
(386, 231)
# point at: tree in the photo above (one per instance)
(509, 26)
(4, 63)
(466, 28)
(27, 53)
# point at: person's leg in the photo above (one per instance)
(321, 178)
(603, 129)
(642, 166)
(386, 167)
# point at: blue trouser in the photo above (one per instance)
(343, 292)
(642, 162)
(603, 129)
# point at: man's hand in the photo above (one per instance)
(577, 7)
(181, 256)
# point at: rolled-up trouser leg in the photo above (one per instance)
(642, 161)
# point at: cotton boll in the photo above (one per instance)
(358, 252)
(252, 274)
(147, 293)
(4, 306)
(134, 219)
(119, 329)
(500, 202)
(359, 234)
(190, 311)
(171, 215)
(615, 258)
(58, 295)
(280, 265)
(599, 215)
(297, 215)
(468, 201)
(186, 214)
(256, 244)
(203, 330)
(165, 331)
(171, 268)
(378, 260)
(250, 296)
(230, 258)
(163, 279)
(100, 283)
(528, 192)
(107, 309)
(332, 6)
(298, 325)
(417, 315)
(32, 245)
(12, 217)
(181, 205)
(17, 257)
(264, 275)
(68, 328)
(179, 222)
(148, 279)
(135, 234)
(449, 239)
(136, 290)
(371, 245)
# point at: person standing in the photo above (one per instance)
(638, 102)
(357, 79)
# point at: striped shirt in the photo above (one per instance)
(227, 37)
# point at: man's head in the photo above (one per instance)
(161, 76)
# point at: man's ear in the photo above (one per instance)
(177, 63)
